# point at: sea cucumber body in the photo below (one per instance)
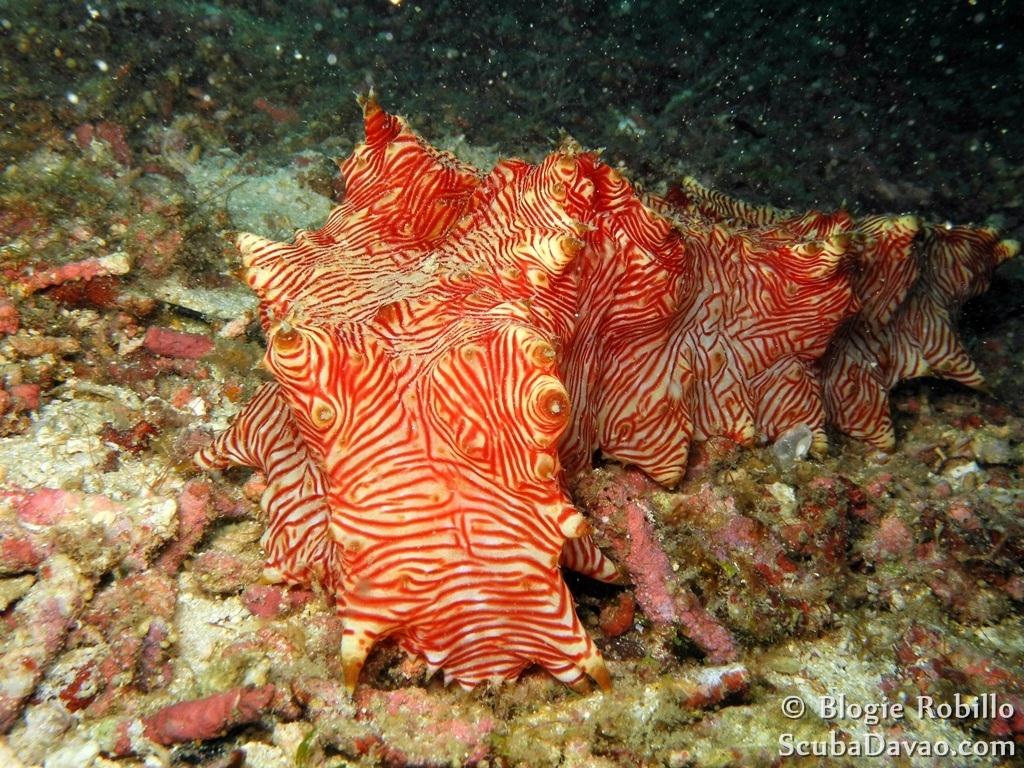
(451, 344)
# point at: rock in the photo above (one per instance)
(990, 449)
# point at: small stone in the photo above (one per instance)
(893, 537)
(25, 397)
(263, 600)
(222, 573)
(785, 495)
(225, 304)
(12, 590)
(989, 449)
(958, 468)
(10, 321)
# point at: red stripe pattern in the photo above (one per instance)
(451, 344)
(909, 279)
(263, 436)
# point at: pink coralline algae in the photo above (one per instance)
(30, 282)
(10, 320)
(38, 626)
(111, 133)
(759, 573)
(622, 524)
(69, 541)
(170, 343)
(199, 719)
(930, 664)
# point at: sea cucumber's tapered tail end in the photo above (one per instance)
(368, 102)
(578, 675)
(598, 670)
(209, 458)
(356, 643)
(272, 269)
(1006, 250)
(380, 127)
(243, 442)
(265, 261)
(584, 556)
(254, 248)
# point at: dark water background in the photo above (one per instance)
(879, 105)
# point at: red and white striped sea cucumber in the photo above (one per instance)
(452, 344)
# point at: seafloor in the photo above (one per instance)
(137, 136)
